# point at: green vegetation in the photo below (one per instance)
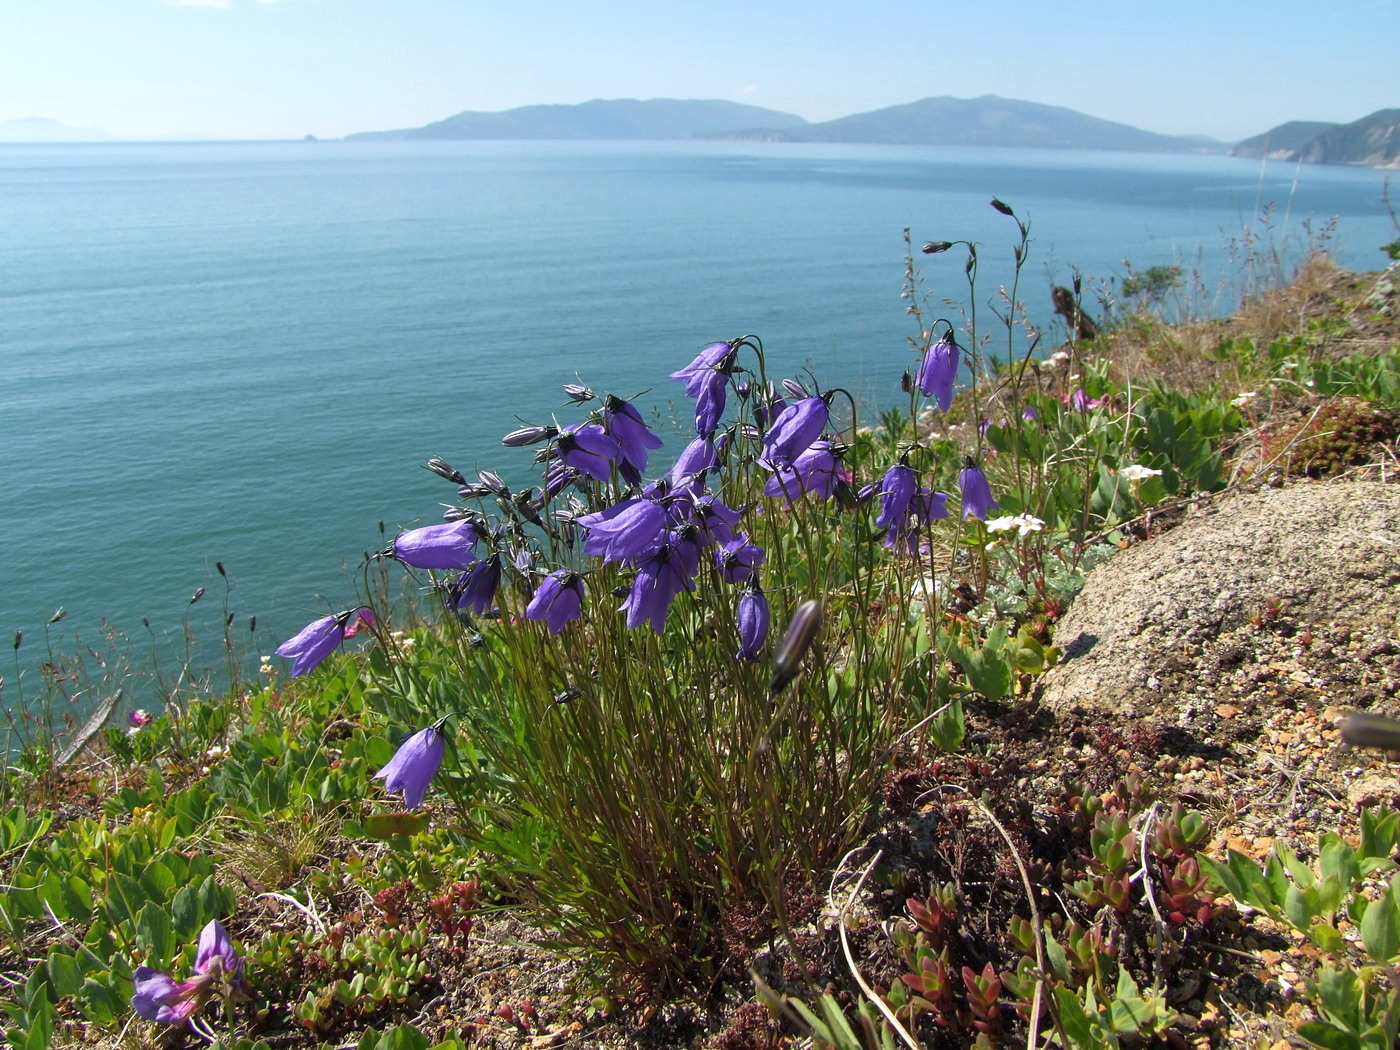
(670, 823)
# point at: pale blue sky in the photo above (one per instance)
(285, 68)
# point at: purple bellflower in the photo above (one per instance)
(938, 371)
(557, 600)
(707, 380)
(696, 458)
(977, 499)
(796, 427)
(659, 579)
(753, 618)
(714, 519)
(625, 530)
(450, 546)
(815, 470)
(737, 559)
(475, 590)
(589, 449)
(414, 765)
(318, 639)
(896, 490)
(218, 968)
(622, 420)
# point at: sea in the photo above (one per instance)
(223, 365)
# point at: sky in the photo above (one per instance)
(287, 68)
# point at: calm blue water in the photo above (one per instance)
(242, 352)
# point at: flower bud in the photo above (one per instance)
(934, 247)
(529, 436)
(1002, 207)
(578, 393)
(801, 633)
(444, 470)
(494, 483)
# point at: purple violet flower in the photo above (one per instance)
(625, 530)
(737, 559)
(622, 420)
(977, 499)
(896, 491)
(159, 997)
(318, 639)
(815, 471)
(450, 546)
(716, 356)
(696, 458)
(414, 764)
(938, 371)
(796, 427)
(587, 448)
(1029, 413)
(753, 618)
(557, 600)
(475, 590)
(714, 520)
(659, 579)
(707, 380)
(1079, 401)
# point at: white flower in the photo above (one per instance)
(1137, 472)
(1244, 398)
(1059, 357)
(1024, 524)
(1028, 524)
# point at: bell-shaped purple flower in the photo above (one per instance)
(796, 427)
(588, 449)
(449, 546)
(159, 997)
(414, 764)
(714, 520)
(737, 559)
(929, 506)
(753, 619)
(976, 493)
(475, 590)
(707, 380)
(696, 458)
(318, 639)
(557, 600)
(624, 423)
(896, 490)
(626, 530)
(717, 357)
(815, 471)
(938, 371)
(659, 579)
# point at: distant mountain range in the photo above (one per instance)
(42, 129)
(986, 121)
(658, 118)
(1372, 140)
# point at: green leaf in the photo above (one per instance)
(153, 931)
(1380, 928)
(40, 1015)
(402, 1037)
(64, 975)
(1338, 861)
(1320, 1033)
(387, 826)
(103, 1005)
(1301, 907)
(1302, 874)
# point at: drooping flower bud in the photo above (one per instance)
(802, 631)
(445, 470)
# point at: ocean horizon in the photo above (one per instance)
(241, 354)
